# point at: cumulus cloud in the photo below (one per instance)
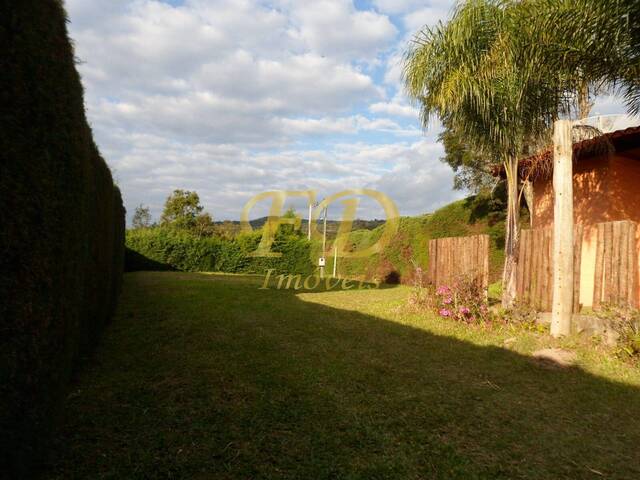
(234, 97)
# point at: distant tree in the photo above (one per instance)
(226, 230)
(204, 225)
(290, 229)
(141, 217)
(181, 210)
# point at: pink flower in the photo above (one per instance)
(444, 312)
(443, 290)
(447, 300)
(465, 311)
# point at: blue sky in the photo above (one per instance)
(235, 97)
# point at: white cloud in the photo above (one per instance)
(335, 28)
(234, 97)
(395, 108)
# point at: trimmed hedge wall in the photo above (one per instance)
(163, 248)
(61, 229)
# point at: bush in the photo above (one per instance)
(62, 234)
(464, 300)
(625, 322)
(171, 248)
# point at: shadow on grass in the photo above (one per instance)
(208, 377)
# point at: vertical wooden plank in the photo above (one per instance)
(441, 258)
(549, 254)
(537, 239)
(608, 262)
(526, 265)
(521, 256)
(485, 261)
(614, 277)
(623, 288)
(442, 246)
(599, 268)
(473, 256)
(544, 280)
(633, 265)
(432, 260)
(472, 246)
(532, 269)
(438, 262)
(577, 264)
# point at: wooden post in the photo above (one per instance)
(563, 229)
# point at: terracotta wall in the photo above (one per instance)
(605, 189)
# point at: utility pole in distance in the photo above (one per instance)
(324, 242)
(311, 207)
(335, 258)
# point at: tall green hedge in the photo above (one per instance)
(61, 229)
(162, 248)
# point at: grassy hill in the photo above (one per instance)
(480, 214)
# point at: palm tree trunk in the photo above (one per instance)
(512, 233)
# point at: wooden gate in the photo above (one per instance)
(616, 272)
(455, 257)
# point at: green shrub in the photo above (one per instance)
(625, 322)
(62, 234)
(178, 249)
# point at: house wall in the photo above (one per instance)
(605, 189)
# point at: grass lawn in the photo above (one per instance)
(208, 377)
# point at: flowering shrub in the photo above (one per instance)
(464, 301)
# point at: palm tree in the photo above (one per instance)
(456, 71)
(501, 71)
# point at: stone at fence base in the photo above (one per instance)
(586, 324)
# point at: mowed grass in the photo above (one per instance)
(209, 377)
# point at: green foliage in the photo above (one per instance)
(181, 250)
(471, 167)
(478, 214)
(204, 226)
(61, 240)
(625, 322)
(181, 210)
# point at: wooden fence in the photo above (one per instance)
(455, 257)
(616, 271)
(534, 275)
